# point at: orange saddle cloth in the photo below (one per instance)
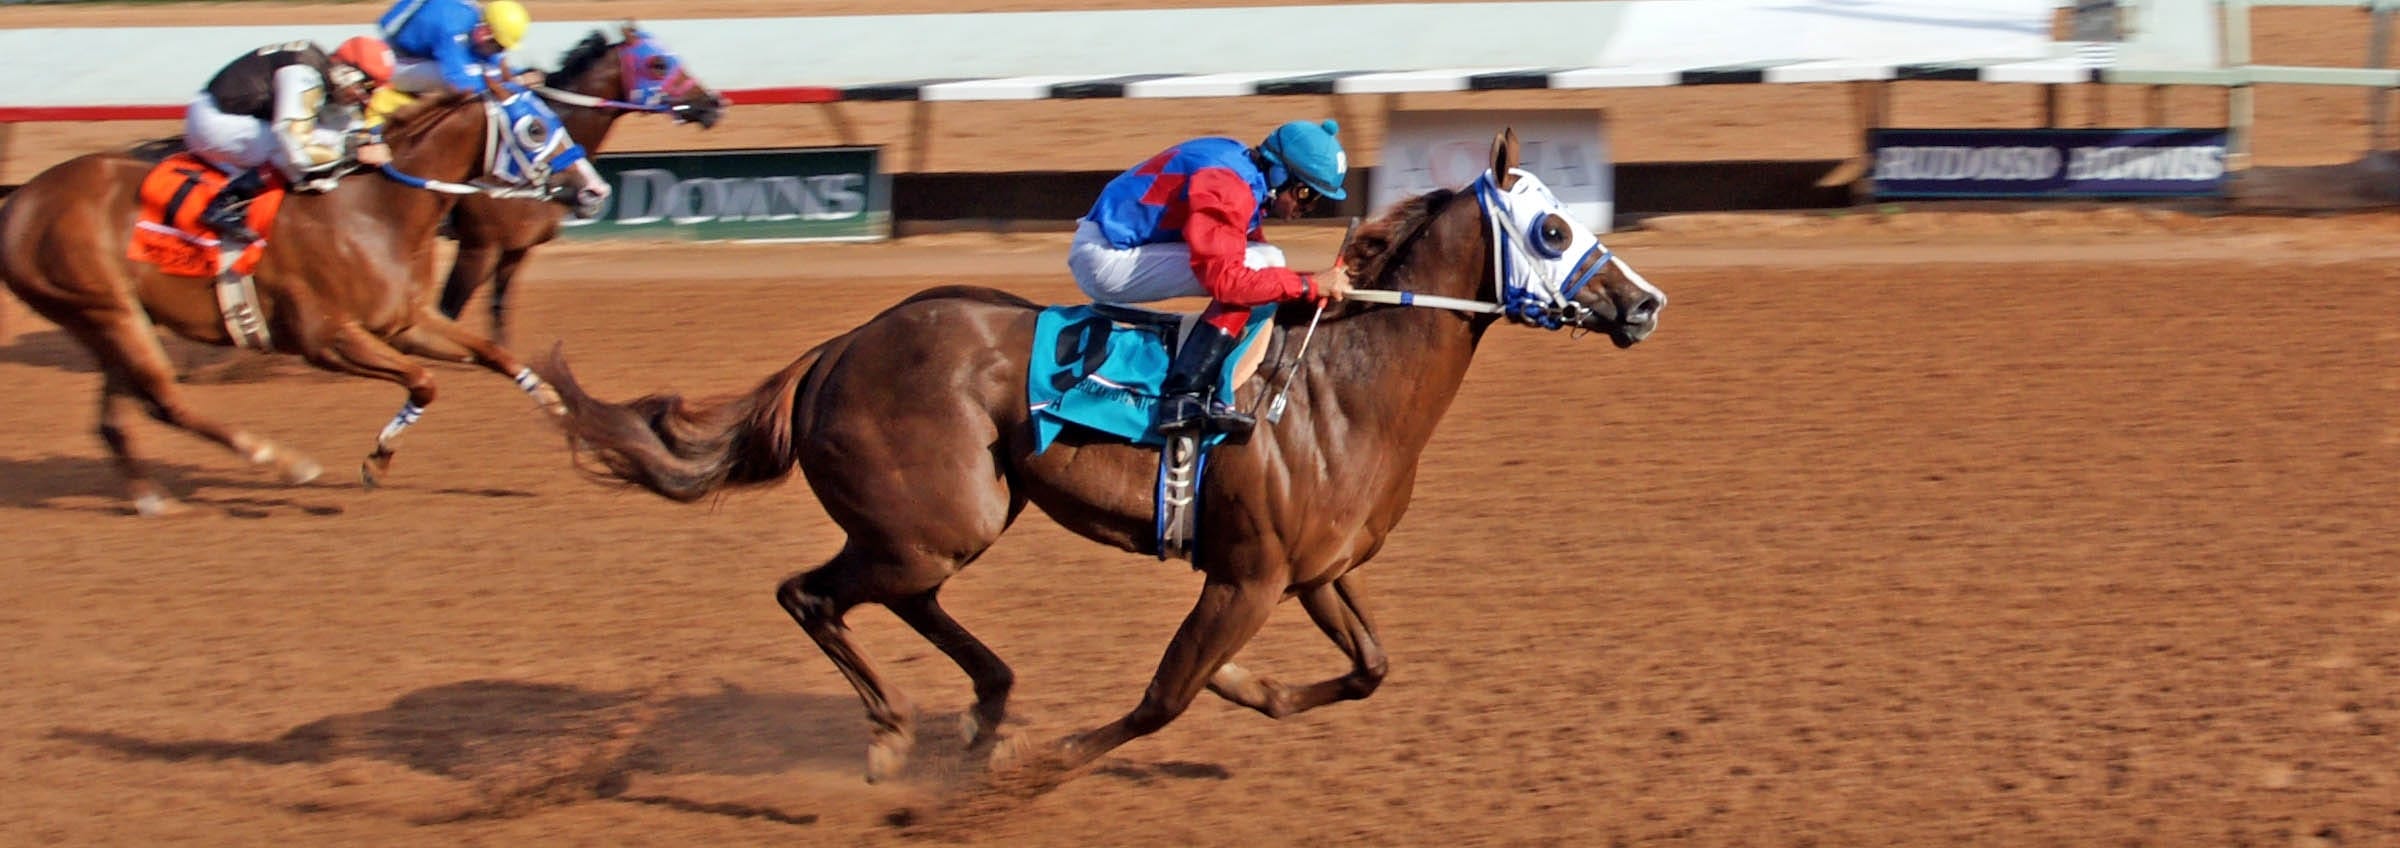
(169, 233)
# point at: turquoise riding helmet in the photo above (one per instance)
(1309, 151)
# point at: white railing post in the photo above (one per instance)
(2240, 97)
(2379, 100)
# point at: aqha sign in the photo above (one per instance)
(2048, 163)
(1568, 149)
(803, 194)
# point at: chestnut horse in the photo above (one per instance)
(342, 281)
(913, 430)
(596, 83)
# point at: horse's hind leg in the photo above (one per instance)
(352, 350)
(1337, 609)
(993, 679)
(137, 372)
(818, 599)
(435, 337)
(116, 403)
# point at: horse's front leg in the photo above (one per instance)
(503, 274)
(1338, 610)
(351, 349)
(436, 337)
(475, 264)
(1227, 615)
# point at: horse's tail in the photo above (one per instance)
(678, 450)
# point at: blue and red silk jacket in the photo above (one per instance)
(1207, 194)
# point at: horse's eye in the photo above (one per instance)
(533, 133)
(1555, 237)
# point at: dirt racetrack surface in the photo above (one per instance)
(1925, 525)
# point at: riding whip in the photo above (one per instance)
(1284, 388)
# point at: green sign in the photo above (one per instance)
(796, 193)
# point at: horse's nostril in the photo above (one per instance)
(1644, 311)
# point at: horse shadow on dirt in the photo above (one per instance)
(195, 363)
(514, 746)
(511, 747)
(92, 484)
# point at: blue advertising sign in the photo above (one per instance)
(2048, 162)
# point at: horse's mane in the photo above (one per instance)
(415, 118)
(1379, 244)
(580, 58)
(157, 149)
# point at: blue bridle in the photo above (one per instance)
(1554, 308)
(524, 143)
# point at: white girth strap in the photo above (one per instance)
(237, 299)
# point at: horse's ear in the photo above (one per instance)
(1504, 158)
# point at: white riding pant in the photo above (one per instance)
(238, 143)
(233, 143)
(1111, 274)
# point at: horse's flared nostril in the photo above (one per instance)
(1643, 312)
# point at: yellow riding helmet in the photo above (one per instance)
(508, 20)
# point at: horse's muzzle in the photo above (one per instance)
(581, 188)
(1625, 323)
(705, 110)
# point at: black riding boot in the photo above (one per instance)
(226, 212)
(1185, 401)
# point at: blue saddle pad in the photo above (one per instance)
(1092, 372)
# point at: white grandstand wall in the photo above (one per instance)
(161, 67)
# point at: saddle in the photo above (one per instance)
(169, 234)
(1098, 368)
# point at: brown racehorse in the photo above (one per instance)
(341, 284)
(602, 82)
(913, 430)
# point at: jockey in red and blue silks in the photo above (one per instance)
(1186, 222)
(453, 45)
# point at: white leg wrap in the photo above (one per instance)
(409, 413)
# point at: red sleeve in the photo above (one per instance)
(1218, 233)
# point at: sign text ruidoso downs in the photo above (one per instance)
(800, 193)
(2048, 162)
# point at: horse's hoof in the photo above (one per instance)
(158, 506)
(372, 470)
(886, 757)
(979, 734)
(300, 470)
(1007, 753)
